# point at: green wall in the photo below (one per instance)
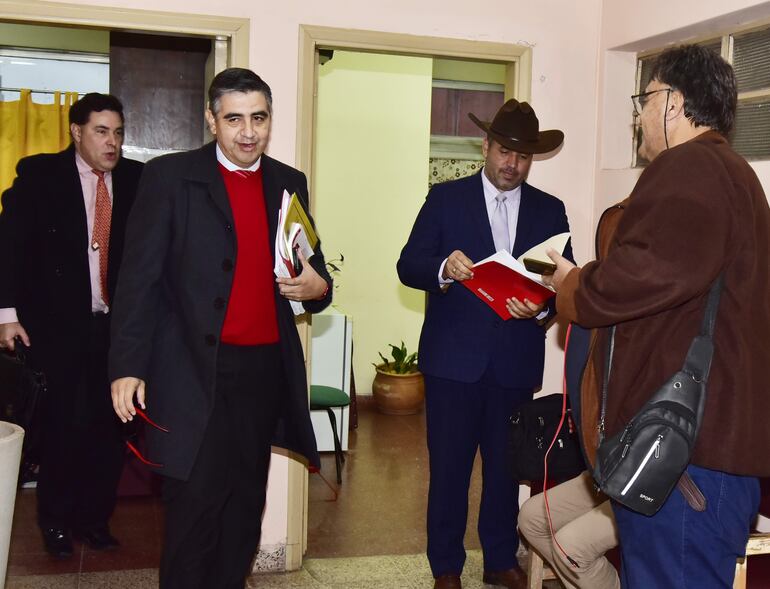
(371, 169)
(462, 70)
(44, 37)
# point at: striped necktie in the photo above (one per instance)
(100, 240)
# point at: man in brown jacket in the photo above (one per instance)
(698, 210)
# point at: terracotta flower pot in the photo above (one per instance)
(398, 394)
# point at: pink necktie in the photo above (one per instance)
(101, 237)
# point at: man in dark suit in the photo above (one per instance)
(206, 335)
(61, 237)
(479, 368)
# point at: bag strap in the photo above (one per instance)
(698, 360)
(712, 305)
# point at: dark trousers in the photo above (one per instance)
(461, 419)
(213, 519)
(680, 548)
(81, 445)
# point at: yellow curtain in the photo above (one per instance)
(27, 128)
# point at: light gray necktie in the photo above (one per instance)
(499, 223)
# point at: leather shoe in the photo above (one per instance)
(448, 582)
(513, 578)
(98, 538)
(58, 542)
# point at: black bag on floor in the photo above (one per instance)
(533, 427)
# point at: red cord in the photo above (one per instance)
(138, 454)
(144, 416)
(545, 458)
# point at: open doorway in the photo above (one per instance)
(387, 128)
(71, 37)
(367, 140)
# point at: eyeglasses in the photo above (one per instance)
(640, 100)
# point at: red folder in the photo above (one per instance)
(500, 277)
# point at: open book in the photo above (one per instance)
(295, 233)
(501, 276)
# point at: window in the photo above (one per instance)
(453, 134)
(46, 71)
(749, 54)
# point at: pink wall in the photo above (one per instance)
(564, 36)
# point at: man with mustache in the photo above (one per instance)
(61, 234)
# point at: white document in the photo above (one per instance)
(284, 267)
(557, 242)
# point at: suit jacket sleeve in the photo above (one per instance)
(139, 297)
(421, 259)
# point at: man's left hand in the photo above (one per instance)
(525, 309)
(563, 267)
(309, 285)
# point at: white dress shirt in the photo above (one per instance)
(512, 205)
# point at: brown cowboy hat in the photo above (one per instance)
(516, 127)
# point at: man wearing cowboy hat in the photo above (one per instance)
(479, 368)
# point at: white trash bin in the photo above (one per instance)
(11, 437)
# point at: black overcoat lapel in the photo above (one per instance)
(204, 170)
(273, 196)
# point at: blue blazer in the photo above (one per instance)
(461, 336)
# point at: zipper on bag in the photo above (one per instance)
(654, 449)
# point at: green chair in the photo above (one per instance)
(330, 398)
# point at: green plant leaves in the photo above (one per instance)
(403, 362)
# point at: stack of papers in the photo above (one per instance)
(295, 233)
(501, 276)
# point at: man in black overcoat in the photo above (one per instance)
(204, 336)
(61, 237)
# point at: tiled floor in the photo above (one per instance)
(383, 498)
(373, 536)
(360, 572)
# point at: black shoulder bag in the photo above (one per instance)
(639, 466)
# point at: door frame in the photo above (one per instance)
(518, 84)
(236, 30)
(517, 58)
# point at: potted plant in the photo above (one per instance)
(398, 387)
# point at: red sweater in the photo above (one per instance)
(250, 318)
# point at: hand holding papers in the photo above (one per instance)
(536, 259)
(295, 234)
(501, 276)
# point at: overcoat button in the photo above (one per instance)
(211, 340)
(227, 264)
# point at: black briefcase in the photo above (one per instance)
(21, 390)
